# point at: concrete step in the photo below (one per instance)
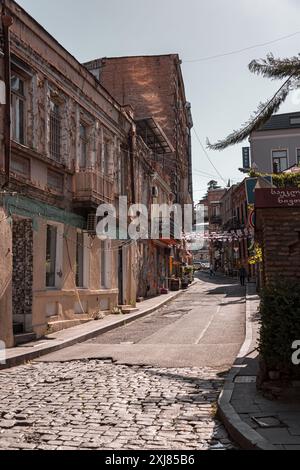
(55, 326)
(24, 338)
(128, 309)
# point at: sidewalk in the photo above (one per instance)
(78, 334)
(254, 422)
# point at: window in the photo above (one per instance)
(295, 120)
(55, 131)
(242, 215)
(103, 264)
(216, 211)
(18, 108)
(55, 181)
(279, 160)
(80, 260)
(54, 254)
(83, 146)
(20, 166)
(106, 157)
(51, 253)
(298, 157)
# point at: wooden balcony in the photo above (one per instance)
(92, 188)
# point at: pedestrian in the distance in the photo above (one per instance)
(211, 271)
(243, 275)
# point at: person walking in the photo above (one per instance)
(243, 275)
(211, 271)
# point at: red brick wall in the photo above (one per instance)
(146, 84)
(280, 236)
(153, 87)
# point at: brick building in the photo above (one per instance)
(278, 232)
(212, 205)
(153, 86)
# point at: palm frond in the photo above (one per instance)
(260, 117)
(272, 67)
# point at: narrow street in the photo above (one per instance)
(150, 385)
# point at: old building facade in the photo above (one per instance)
(69, 153)
(70, 148)
(275, 146)
(154, 87)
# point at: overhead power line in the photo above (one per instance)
(238, 51)
(204, 173)
(208, 157)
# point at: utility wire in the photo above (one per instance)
(238, 51)
(208, 157)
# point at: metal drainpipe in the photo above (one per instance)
(7, 21)
(132, 151)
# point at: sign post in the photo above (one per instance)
(246, 158)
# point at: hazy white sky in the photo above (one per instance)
(222, 91)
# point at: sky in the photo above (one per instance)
(222, 91)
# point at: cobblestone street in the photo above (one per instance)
(153, 384)
(98, 405)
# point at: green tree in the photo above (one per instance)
(213, 184)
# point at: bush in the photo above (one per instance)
(280, 326)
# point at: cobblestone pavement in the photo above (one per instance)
(94, 404)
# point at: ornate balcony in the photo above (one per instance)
(92, 187)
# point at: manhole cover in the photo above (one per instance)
(268, 422)
(245, 379)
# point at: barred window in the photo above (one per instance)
(55, 181)
(18, 108)
(55, 131)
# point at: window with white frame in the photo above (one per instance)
(54, 242)
(105, 264)
(79, 259)
(55, 131)
(83, 134)
(18, 104)
(279, 160)
(51, 252)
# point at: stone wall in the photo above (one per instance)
(22, 272)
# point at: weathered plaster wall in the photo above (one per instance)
(6, 331)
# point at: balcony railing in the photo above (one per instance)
(215, 220)
(92, 186)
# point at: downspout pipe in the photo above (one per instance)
(7, 21)
(132, 152)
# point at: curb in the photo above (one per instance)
(242, 434)
(22, 358)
